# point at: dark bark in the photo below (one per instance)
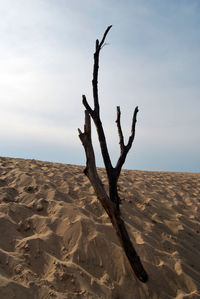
(109, 202)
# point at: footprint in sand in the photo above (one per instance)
(31, 189)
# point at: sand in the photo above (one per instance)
(56, 240)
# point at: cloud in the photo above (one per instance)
(151, 60)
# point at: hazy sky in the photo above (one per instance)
(152, 60)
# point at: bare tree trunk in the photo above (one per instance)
(109, 202)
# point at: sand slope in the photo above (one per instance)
(57, 241)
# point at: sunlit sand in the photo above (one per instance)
(57, 241)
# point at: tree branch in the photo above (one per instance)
(121, 137)
(109, 206)
(131, 138)
(96, 68)
(104, 36)
(125, 149)
(95, 113)
(91, 170)
(111, 202)
(87, 106)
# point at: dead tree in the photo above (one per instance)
(110, 201)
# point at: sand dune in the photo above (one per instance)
(57, 241)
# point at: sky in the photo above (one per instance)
(151, 60)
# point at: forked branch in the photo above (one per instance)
(125, 148)
(91, 170)
(109, 202)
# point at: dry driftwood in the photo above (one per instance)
(110, 201)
